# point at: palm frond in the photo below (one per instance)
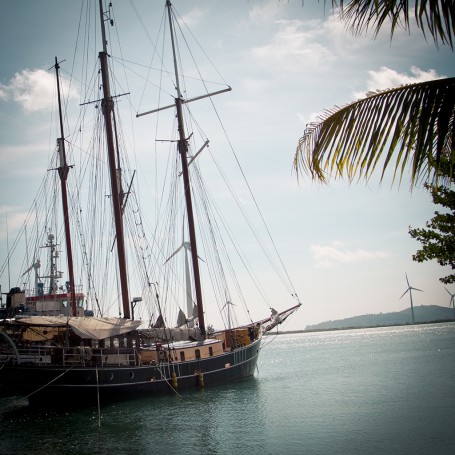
(434, 16)
(412, 126)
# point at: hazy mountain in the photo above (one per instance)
(423, 313)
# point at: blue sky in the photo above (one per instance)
(346, 247)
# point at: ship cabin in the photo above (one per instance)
(18, 303)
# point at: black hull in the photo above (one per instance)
(58, 386)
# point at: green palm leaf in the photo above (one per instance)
(411, 126)
(436, 17)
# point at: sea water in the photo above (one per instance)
(369, 391)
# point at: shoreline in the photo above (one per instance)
(290, 332)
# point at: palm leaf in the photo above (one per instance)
(411, 126)
(434, 16)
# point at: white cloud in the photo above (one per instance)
(387, 78)
(327, 256)
(3, 93)
(15, 221)
(193, 17)
(294, 47)
(11, 157)
(33, 89)
(265, 12)
(312, 117)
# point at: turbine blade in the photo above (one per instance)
(452, 295)
(415, 289)
(28, 270)
(175, 252)
(36, 264)
(404, 293)
(187, 246)
(228, 303)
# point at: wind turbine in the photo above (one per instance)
(452, 301)
(410, 289)
(35, 266)
(228, 304)
(186, 246)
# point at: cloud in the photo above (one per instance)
(265, 12)
(12, 156)
(328, 256)
(294, 47)
(33, 90)
(15, 220)
(387, 78)
(312, 117)
(3, 93)
(193, 17)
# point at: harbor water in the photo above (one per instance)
(376, 391)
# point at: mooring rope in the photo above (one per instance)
(50, 382)
(170, 385)
(98, 396)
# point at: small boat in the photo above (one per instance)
(57, 350)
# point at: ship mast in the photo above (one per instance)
(183, 149)
(63, 173)
(107, 107)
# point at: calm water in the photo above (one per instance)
(375, 391)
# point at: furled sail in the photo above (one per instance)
(85, 327)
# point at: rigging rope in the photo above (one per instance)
(289, 281)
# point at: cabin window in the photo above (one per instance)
(182, 356)
(80, 303)
(210, 351)
(65, 303)
(197, 353)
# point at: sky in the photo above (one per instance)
(346, 246)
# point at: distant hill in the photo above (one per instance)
(423, 313)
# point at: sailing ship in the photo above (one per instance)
(57, 352)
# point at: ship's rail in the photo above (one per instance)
(73, 356)
(48, 291)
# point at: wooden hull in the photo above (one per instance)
(60, 386)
